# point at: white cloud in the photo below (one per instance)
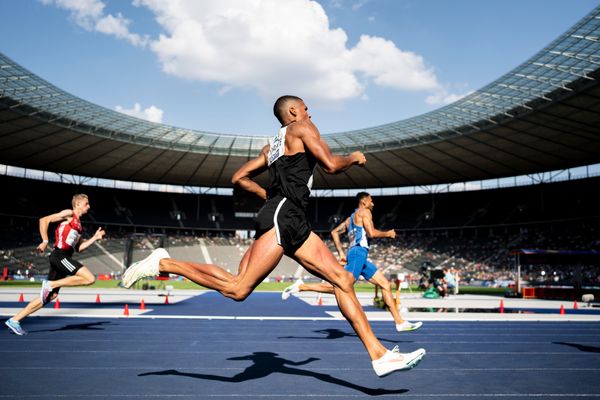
(359, 4)
(89, 14)
(118, 26)
(278, 47)
(389, 66)
(270, 46)
(152, 113)
(443, 97)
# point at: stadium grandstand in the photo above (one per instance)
(147, 180)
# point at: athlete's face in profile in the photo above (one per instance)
(83, 206)
(301, 111)
(368, 202)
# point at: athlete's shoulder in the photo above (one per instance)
(60, 216)
(302, 128)
(364, 212)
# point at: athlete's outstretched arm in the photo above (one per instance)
(243, 176)
(87, 243)
(367, 221)
(329, 162)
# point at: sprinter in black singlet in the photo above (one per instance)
(290, 182)
(282, 228)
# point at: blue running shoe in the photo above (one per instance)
(15, 327)
(45, 292)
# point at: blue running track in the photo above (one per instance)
(182, 358)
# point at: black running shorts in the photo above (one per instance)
(62, 265)
(289, 220)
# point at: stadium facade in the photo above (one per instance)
(543, 115)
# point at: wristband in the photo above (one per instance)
(44, 241)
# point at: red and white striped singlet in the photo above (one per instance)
(68, 233)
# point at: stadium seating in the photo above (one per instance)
(471, 231)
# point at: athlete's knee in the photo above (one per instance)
(240, 295)
(385, 285)
(88, 278)
(345, 280)
(237, 292)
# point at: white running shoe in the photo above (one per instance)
(295, 288)
(395, 361)
(45, 292)
(144, 268)
(408, 326)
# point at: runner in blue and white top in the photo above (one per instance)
(356, 233)
(360, 228)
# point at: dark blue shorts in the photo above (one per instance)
(358, 264)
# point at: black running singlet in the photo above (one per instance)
(289, 176)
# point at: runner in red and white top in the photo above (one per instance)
(64, 270)
(68, 233)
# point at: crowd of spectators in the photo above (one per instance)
(477, 260)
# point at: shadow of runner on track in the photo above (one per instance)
(582, 347)
(338, 334)
(267, 363)
(91, 326)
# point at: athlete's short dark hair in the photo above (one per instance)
(361, 195)
(280, 106)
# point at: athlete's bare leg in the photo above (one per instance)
(258, 261)
(316, 287)
(261, 258)
(83, 277)
(318, 259)
(32, 307)
(386, 291)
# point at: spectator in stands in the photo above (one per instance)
(360, 228)
(282, 228)
(449, 281)
(64, 270)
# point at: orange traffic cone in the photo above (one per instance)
(167, 299)
(126, 310)
(21, 299)
(501, 306)
(562, 310)
(57, 303)
(575, 306)
(142, 305)
(320, 300)
(98, 298)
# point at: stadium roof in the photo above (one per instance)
(543, 115)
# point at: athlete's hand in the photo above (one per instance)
(342, 259)
(99, 234)
(360, 158)
(42, 247)
(391, 233)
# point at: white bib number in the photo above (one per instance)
(72, 238)
(277, 146)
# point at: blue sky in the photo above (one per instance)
(218, 65)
